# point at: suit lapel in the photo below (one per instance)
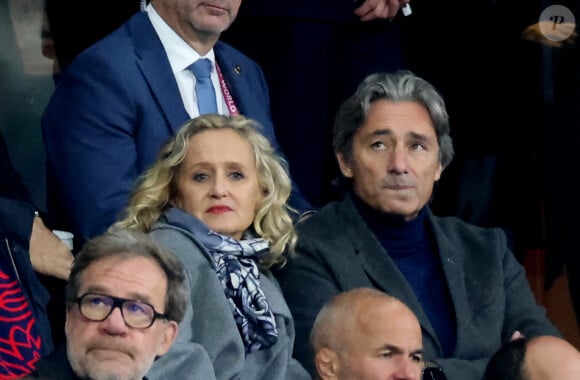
(235, 76)
(381, 269)
(455, 280)
(154, 64)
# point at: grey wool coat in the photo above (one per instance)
(208, 335)
(489, 290)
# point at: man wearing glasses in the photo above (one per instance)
(125, 298)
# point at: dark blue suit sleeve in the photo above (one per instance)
(16, 210)
(11, 185)
(89, 134)
(16, 220)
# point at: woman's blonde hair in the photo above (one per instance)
(156, 188)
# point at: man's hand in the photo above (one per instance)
(48, 254)
(379, 9)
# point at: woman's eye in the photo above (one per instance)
(199, 177)
(237, 175)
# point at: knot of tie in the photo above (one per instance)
(201, 68)
(204, 91)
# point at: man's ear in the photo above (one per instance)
(327, 365)
(170, 331)
(344, 165)
(66, 321)
(438, 172)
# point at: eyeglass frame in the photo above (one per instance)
(118, 303)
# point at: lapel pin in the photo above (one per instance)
(237, 69)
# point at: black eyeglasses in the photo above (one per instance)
(136, 314)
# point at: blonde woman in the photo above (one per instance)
(216, 197)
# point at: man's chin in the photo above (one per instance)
(107, 354)
(397, 212)
(103, 365)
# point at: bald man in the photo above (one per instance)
(366, 334)
(540, 358)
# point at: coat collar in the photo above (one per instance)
(236, 76)
(385, 275)
(152, 60)
(156, 69)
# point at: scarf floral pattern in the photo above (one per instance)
(239, 275)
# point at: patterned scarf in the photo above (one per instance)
(236, 268)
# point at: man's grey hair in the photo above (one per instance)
(400, 86)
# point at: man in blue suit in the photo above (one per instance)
(123, 97)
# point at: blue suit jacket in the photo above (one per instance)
(113, 109)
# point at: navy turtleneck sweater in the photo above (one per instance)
(411, 245)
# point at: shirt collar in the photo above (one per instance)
(179, 53)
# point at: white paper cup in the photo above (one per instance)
(65, 236)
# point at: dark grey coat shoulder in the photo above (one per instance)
(209, 324)
(489, 290)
